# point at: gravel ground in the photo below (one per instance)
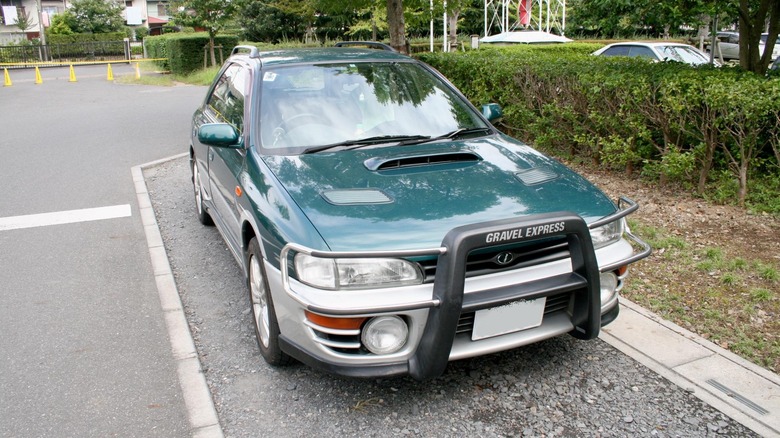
(561, 387)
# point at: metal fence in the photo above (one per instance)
(56, 54)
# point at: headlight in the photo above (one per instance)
(607, 234)
(356, 273)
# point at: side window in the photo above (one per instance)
(616, 51)
(227, 100)
(642, 52)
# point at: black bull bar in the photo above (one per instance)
(432, 354)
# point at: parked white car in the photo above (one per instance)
(656, 51)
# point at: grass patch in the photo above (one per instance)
(150, 76)
(200, 77)
(727, 298)
(738, 264)
(760, 295)
(155, 80)
(767, 272)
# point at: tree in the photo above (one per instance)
(395, 16)
(211, 15)
(62, 24)
(396, 26)
(262, 21)
(754, 17)
(95, 16)
(23, 20)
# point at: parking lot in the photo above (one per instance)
(85, 349)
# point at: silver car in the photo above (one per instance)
(728, 46)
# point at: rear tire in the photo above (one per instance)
(203, 216)
(263, 312)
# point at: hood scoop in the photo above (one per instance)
(536, 175)
(385, 163)
(356, 196)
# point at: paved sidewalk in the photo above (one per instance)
(740, 389)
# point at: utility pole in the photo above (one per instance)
(40, 23)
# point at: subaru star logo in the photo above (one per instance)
(504, 258)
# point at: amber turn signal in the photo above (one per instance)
(335, 323)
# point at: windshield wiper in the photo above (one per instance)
(354, 144)
(458, 133)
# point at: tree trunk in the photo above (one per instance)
(211, 49)
(706, 164)
(396, 26)
(751, 25)
(743, 171)
(452, 24)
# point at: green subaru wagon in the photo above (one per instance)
(385, 226)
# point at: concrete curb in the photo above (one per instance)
(740, 389)
(201, 412)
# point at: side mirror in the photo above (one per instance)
(219, 135)
(492, 112)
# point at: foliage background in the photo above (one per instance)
(692, 127)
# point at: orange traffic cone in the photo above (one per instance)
(38, 78)
(8, 82)
(110, 74)
(72, 74)
(137, 71)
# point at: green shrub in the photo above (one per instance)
(184, 51)
(694, 127)
(85, 37)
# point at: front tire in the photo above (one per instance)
(203, 216)
(263, 313)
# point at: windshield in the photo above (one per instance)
(306, 107)
(688, 55)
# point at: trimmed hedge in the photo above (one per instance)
(85, 37)
(184, 51)
(668, 120)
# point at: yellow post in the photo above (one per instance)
(38, 78)
(8, 82)
(72, 74)
(137, 70)
(110, 74)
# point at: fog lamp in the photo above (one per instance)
(385, 334)
(609, 283)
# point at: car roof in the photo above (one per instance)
(649, 44)
(324, 55)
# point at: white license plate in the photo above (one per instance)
(512, 317)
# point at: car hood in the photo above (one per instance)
(409, 197)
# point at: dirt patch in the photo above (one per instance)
(714, 270)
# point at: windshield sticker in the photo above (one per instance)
(269, 76)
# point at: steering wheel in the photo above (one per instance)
(283, 129)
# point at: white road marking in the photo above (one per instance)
(64, 217)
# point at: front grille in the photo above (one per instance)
(493, 259)
(554, 303)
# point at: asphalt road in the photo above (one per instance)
(83, 346)
(561, 387)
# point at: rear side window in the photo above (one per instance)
(641, 52)
(616, 51)
(227, 100)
